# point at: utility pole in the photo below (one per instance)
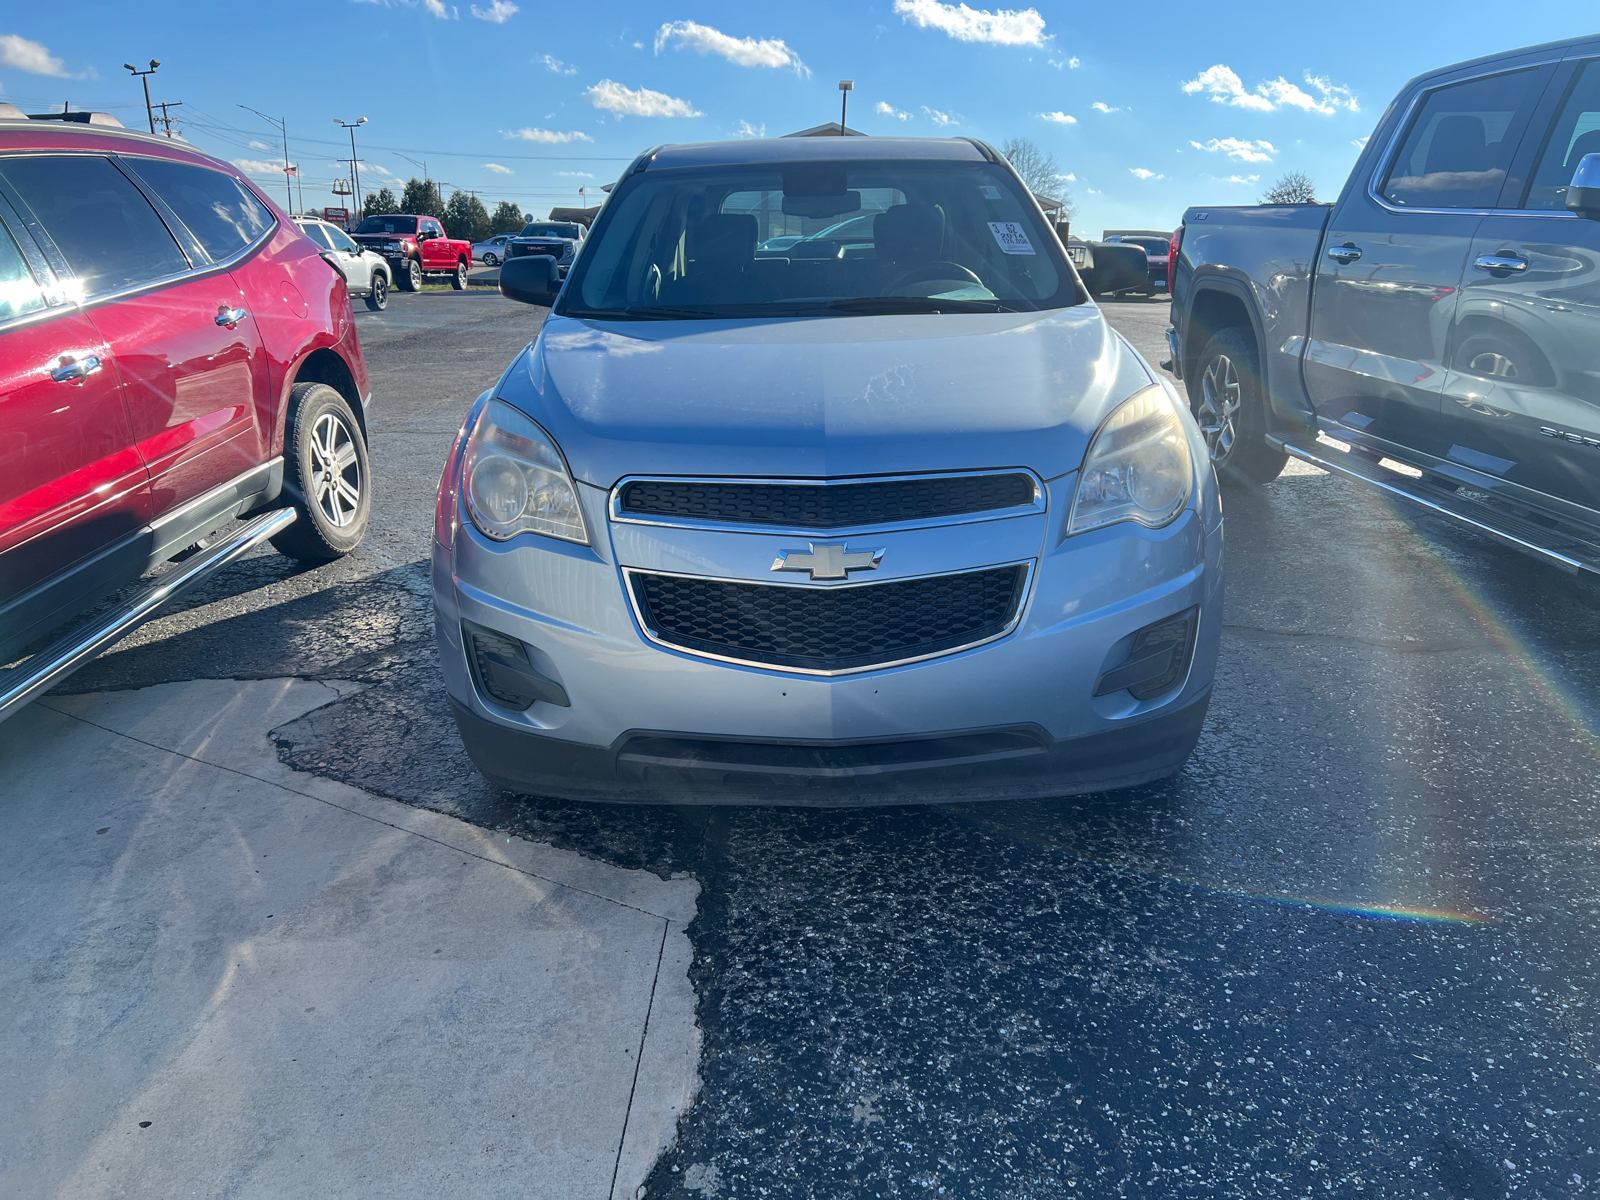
(164, 118)
(283, 128)
(355, 167)
(144, 78)
(846, 86)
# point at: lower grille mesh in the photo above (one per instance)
(829, 629)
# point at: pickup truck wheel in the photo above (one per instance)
(1230, 406)
(326, 476)
(410, 276)
(459, 279)
(378, 297)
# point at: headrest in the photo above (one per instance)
(909, 231)
(1458, 145)
(724, 238)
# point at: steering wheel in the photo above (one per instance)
(939, 269)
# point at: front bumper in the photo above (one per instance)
(1014, 717)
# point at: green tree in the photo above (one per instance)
(422, 199)
(379, 203)
(466, 217)
(507, 219)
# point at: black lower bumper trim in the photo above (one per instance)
(649, 767)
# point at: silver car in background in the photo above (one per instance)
(366, 275)
(907, 523)
(492, 251)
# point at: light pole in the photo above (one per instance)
(283, 128)
(846, 86)
(355, 167)
(144, 78)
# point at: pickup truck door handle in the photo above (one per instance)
(229, 317)
(1345, 253)
(1501, 262)
(71, 372)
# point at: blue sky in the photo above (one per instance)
(1148, 110)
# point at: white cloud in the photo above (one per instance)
(1242, 149)
(1224, 86)
(641, 102)
(1073, 64)
(32, 57)
(1102, 107)
(1142, 173)
(1361, 142)
(1247, 179)
(885, 109)
(259, 166)
(499, 12)
(550, 63)
(1002, 28)
(575, 174)
(498, 169)
(440, 10)
(941, 119)
(547, 137)
(741, 52)
(1060, 118)
(255, 145)
(1092, 191)
(375, 169)
(748, 130)
(1069, 177)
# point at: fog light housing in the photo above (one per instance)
(501, 669)
(1157, 662)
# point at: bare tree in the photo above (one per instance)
(1040, 173)
(1293, 187)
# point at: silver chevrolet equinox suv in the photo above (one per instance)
(891, 518)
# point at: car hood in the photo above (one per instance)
(824, 397)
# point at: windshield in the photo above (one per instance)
(388, 225)
(550, 230)
(807, 238)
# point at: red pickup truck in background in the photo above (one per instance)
(414, 248)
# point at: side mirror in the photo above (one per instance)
(532, 279)
(1583, 195)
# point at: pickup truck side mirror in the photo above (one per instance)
(1583, 195)
(532, 279)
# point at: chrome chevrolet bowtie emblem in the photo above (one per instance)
(827, 562)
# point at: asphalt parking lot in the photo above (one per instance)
(1350, 950)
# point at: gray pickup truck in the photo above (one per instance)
(1435, 333)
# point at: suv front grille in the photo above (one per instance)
(824, 506)
(828, 630)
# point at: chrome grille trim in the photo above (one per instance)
(1025, 594)
(1037, 508)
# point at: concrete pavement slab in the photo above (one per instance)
(222, 983)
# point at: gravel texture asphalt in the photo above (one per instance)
(1349, 950)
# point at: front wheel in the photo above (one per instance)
(411, 276)
(378, 297)
(459, 279)
(1230, 406)
(326, 476)
(489, 260)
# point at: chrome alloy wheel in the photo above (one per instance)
(335, 471)
(1218, 412)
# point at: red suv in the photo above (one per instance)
(174, 354)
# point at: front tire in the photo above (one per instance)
(378, 297)
(326, 476)
(489, 260)
(411, 277)
(1230, 405)
(458, 281)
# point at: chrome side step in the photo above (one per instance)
(50, 666)
(1570, 552)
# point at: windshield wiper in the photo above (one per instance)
(650, 312)
(875, 305)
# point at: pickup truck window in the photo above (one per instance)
(217, 209)
(101, 223)
(400, 225)
(1460, 144)
(1576, 132)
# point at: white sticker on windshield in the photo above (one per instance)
(1012, 237)
(989, 191)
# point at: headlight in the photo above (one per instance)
(1138, 467)
(515, 480)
